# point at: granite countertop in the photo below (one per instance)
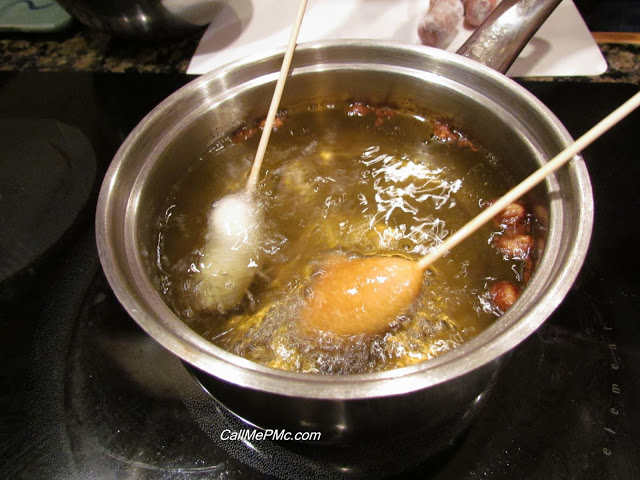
(80, 49)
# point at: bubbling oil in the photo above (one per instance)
(337, 181)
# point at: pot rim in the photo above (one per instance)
(503, 335)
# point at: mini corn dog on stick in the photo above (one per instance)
(354, 296)
(227, 265)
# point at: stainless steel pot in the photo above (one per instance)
(144, 19)
(511, 122)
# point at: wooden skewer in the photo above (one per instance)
(531, 181)
(356, 296)
(277, 96)
(234, 225)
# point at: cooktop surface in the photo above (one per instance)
(88, 395)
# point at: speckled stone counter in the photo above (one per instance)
(623, 62)
(80, 49)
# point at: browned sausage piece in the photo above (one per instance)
(443, 131)
(447, 133)
(278, 122)
(243, 133)
(358, 110)
(476, 11)
(515, 245)
(383, 113)
(504, 295)
(513, 218)
(439, 24)
(527, 270)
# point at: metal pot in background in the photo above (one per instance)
(145, 18)
(444, 391)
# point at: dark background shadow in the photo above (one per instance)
(610, 15)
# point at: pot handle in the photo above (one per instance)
(500, 39)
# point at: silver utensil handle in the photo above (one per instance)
(500, 39)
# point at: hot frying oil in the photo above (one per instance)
(341, 181)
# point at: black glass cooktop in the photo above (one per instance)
(87, 395)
